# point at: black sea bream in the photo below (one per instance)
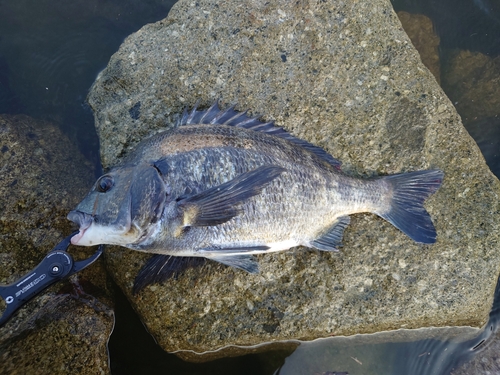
(223, 186)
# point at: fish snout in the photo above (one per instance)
(83, 220)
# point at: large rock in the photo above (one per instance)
(66, 328)
(344, 76)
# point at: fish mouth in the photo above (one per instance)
(84, 220)
(92, 233)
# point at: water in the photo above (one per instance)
(465, 24)
(50, 54)
(52, 50)
(389, 353)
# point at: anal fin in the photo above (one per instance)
(243, 262)
(333, 238)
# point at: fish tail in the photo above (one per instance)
(407, 212)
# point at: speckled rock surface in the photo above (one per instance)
(66, 328)
(424, 38)
(344, 76)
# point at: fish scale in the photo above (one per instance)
(252, 223)
(224, 186)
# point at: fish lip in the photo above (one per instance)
(84, 220)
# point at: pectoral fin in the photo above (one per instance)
(221, 203)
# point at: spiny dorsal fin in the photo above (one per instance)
(229, 116)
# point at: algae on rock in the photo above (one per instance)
(66, 328)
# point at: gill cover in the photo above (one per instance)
(147, 196)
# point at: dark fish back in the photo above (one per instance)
(228, 128)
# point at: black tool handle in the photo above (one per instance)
(54, 267)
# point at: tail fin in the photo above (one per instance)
(407, 212)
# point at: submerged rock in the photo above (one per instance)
(66, 328)
(423, 36)
(472, 82)
(345, 77)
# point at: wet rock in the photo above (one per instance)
(66, 328)
(423, 37)
(486, 362)
(483, 357)
(67, 335)
(343, 76)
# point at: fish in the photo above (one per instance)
(224, 186)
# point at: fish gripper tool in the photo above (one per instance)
(57, 265)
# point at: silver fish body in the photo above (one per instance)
(224, 186)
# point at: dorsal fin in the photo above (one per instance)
(229, 116)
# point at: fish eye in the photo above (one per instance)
(104, 184)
